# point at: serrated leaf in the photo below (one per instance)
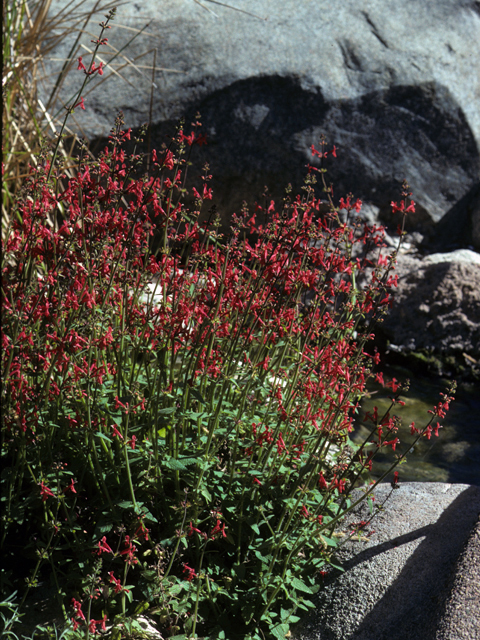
(175, 465)
(194, 415)
(279, 631)
(188, 461)
(174, 589)
(284, 614)
(264, 559)
(297, 584)
(102, 529)
(125, 505)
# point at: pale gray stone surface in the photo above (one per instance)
(395, 85)
(417, 577)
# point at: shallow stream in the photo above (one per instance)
(453, 456)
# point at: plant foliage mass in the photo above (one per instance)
(178, 397)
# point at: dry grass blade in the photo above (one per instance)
(31, 31)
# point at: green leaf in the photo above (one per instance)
(125, 504)
(166, 411)
(103, 436)
(179, 464)
(279, 631)
(297, 584)
(188, 461)
(284, 614)
(102, 528)
(206, 494)
(194, 415)
(175, 465)
(174, 589)
(141, 607)
(330, 541)
(264, 559)
(198, 396)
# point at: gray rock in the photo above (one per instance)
(411, 578)
(437, 304)
(394, 85)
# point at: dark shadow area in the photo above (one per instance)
(259, 132)
(454, 231)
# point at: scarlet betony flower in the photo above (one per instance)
(45, 492)
(129, 551)
(142, 532)
(118, 588)
(80, 104)
(189, 572)
(400, 208)
(93, 69)
(103, 546)
(71, 487)
(93, 624)
(218, 530)
(395, 480)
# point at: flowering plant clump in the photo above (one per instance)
(177, 401)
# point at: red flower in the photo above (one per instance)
(77, 607)
(322, 482)
(401, 207)
(393, 384)
(189, 571)
(129, 551)
(118, 585)
(116, 432)
(192, 529)
(80, 104)
(218, 529)
(142, 531)
(45, 492)
(71, 487)
(103, 547)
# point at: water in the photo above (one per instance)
(452, 457)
